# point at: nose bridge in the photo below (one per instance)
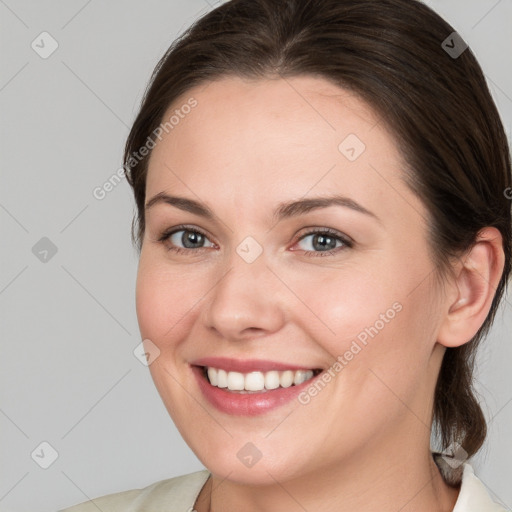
(242, 298)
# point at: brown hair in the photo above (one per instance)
(436, 104)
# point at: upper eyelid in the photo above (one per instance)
(303, 233)
(167, 233)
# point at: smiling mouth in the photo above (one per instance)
(256, 381)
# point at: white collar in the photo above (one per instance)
(173, 494)
(473, 496)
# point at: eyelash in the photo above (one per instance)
(347, 242)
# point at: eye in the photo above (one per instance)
(191, 239)
(324, 242)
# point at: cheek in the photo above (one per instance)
(167, 300)
(392, 367)
(373, 318)
(344, 304)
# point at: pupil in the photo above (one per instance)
(326, 242)
(192, 238)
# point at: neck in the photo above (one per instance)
(410, 483)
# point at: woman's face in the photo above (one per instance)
(261, 289)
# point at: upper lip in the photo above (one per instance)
(247, 365)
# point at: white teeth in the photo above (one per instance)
(236, 381)
(254, 381)
(286, 379)
(299, 377)
(222, 378)
(257, 381)
(212, 375)
(272, 380)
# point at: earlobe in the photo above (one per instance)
(473, 289)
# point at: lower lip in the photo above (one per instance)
(247, 404)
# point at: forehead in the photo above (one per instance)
(272, 140)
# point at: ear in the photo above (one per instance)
(473, 288)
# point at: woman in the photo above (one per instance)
(325, 238)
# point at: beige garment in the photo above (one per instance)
(180, 493)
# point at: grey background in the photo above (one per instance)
(69, 328)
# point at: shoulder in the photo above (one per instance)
(473, 495)
(169, 495)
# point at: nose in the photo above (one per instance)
(245, 302)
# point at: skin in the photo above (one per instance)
(361, 444)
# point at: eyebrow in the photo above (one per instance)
(284, 210)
